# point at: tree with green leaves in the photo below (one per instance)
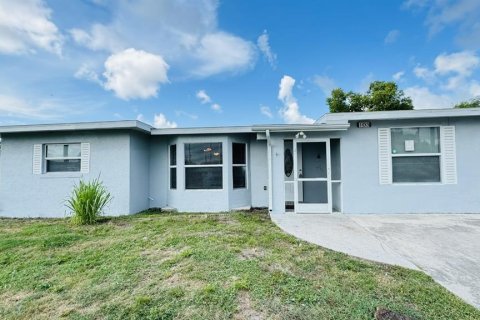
(473, 103)
(381, 96)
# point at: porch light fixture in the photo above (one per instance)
(301, 134)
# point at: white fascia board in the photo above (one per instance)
(296, 128)
(204, 130)
(105, 125)
(345, 117)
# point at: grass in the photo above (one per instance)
(198, 266)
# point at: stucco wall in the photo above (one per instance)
(361, 191)
(23, 194)
(158, 171)
(139, 171)
(215, 200)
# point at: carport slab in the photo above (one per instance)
(447, 247)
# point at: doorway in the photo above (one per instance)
(312, 176)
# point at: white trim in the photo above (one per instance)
(312, 207)
(270, 177)
(345, 117)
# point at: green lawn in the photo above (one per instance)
(198, 266)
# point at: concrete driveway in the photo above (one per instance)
(447, 247)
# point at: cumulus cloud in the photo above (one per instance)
(423, 98)
(160, 121)
(463, 63)
(222, 52)
(291, 110)
(391, 36)
(135, 74)
(264, 46)
(424, 73)
(265, 110)
(203, 97)
(26, 26)
(186, 34)
(325, 83)
(398, 75)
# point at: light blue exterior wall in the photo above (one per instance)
(134, 167)
(139, 172)
(361, 191)
(184, 200)
(23, 194)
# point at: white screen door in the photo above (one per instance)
(312, 187)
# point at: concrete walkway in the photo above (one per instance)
(447, 247)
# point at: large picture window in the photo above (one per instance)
(173, 166)
(203, 165)
(416, 154)
(239, 165)
(61, 157)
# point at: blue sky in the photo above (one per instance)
(212, 63)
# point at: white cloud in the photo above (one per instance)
(135, 74)
(100, 37)
(26, 25)
(290, 111)
(264, 46)
(222, 52)
(216, 107)
(185, 33)
(265, 110)
(461, 14)
(87, 73)
(398, 75)
(463, 63)
(423, 98)
(424, 73)
(325, 83)
(160, 121)
(391, 36)
(203, 97)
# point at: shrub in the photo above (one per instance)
(87, 201)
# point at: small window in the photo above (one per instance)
(203, 165)
(173, 166)
(239, 165)
(416, 154)
(63, 157)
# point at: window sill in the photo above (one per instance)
(418, 184)
(54, 175)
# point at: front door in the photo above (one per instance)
(312, 187)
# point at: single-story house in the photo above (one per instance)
(421, 161)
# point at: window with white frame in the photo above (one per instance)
(61, 157)
(416, 155)
(173, 166)
(239, 165)
(203, 165)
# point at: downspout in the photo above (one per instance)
(270, 178)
